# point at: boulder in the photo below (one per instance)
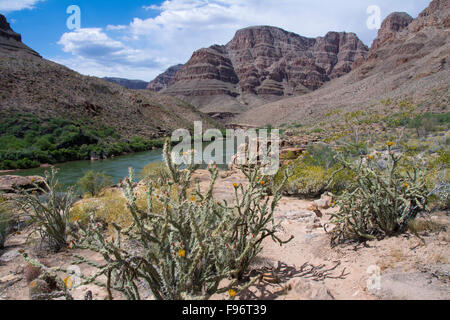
(324, 202)
(14, 184)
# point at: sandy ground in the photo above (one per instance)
(403, 267)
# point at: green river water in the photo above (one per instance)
(117, 168)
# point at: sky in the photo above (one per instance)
(139, 39)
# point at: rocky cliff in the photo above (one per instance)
(10, 40)
(165, 79)
(266, 62)
(408, 60)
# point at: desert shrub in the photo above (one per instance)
(93, 182)
(418, 226)
(155, 172)
(320, 154)
(194, 243)
(5, 221)
(381, 200)
(312, 173)
(48, 209)
(307, 180)
(317, 130)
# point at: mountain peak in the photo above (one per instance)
(393, 24)
(10, 40)
(263, 63)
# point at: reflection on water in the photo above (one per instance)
(117, 167)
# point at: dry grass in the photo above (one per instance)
(395, 256)
(420, 225)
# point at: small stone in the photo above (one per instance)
(10, 278)
(9, 256)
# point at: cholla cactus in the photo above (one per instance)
(381, 201)
(185, 251)
(48, 285)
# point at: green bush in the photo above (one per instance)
(93, 182)
(27, 141)
(312, 173)
(156, 172)
(185, 249)
(381, 201)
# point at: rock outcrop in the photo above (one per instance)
(266, 62)
(165, 79)
(10, 40)
(392, 25)
(14, 184)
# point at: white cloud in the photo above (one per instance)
(17, 5)
(183, 26)
(95, 53)
(89, 42)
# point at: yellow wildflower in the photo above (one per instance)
(68, 282)
(235, 185)
(390, 143)
(406, 185)
(232, 293)
(182, 253)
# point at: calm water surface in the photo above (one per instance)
(117, 167)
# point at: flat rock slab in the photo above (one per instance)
(13, 184)
(9, 256)
(412, 286)
(11, 278)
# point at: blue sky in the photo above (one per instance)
(138, 39)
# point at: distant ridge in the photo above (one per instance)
(165, 79)
(129, 84)
(33, 85)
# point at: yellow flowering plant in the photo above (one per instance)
(379, 202)
(186, 251)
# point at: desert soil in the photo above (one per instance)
(402, 267)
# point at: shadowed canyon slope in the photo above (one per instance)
(31, 84)
(127, 83)
(262, 64)
(165, 79)
(408, 60)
